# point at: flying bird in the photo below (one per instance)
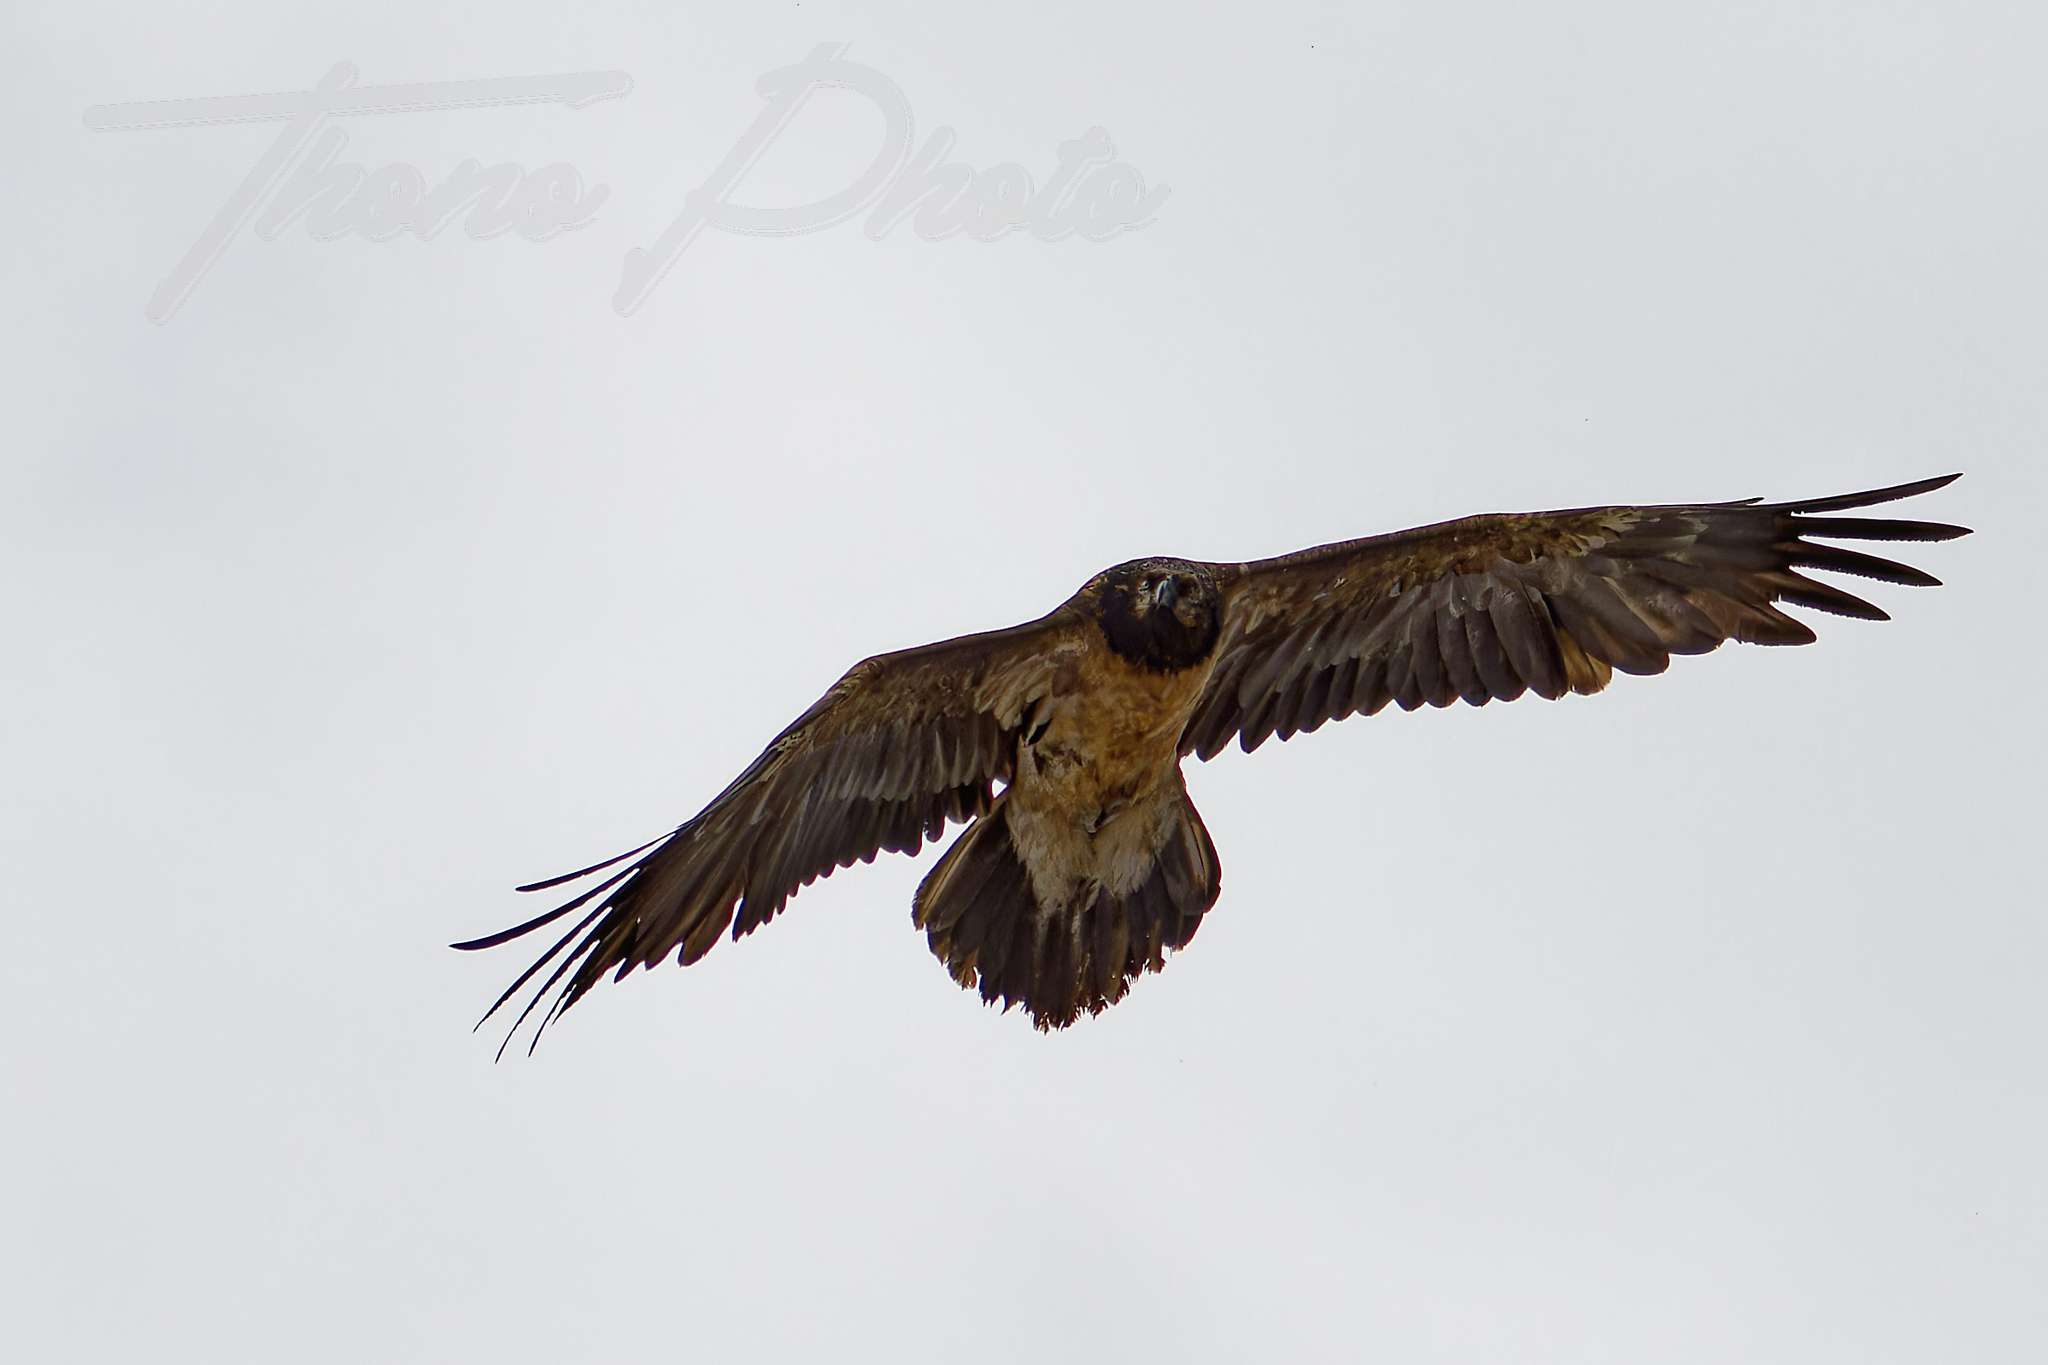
(1059, 742)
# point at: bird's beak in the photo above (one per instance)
(1166, 594)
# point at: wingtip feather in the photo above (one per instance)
(1870, 497)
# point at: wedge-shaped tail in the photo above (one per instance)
(984, 920)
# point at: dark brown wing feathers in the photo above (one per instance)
(1490, 607)
(900, 746)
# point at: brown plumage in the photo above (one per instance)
(1090, 863)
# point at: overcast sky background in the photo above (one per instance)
(1700, 1021)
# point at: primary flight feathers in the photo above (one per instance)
(1090, 863)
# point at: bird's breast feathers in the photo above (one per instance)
(1106, 754)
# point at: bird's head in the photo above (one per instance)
(1162, 614)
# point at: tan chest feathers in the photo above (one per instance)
(1110, 735)
(1096, 792)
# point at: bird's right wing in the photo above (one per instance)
(899, 746)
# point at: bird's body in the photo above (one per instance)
(1060, 741)
(1111, 734)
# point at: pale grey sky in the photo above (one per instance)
(1699, 1021)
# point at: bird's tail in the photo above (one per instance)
(986, 923)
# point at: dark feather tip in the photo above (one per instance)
(1871, 497)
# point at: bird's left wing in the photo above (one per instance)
(900, 745)
(1490, 607)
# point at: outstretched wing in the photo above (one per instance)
(1491, 607)
(899, 746)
